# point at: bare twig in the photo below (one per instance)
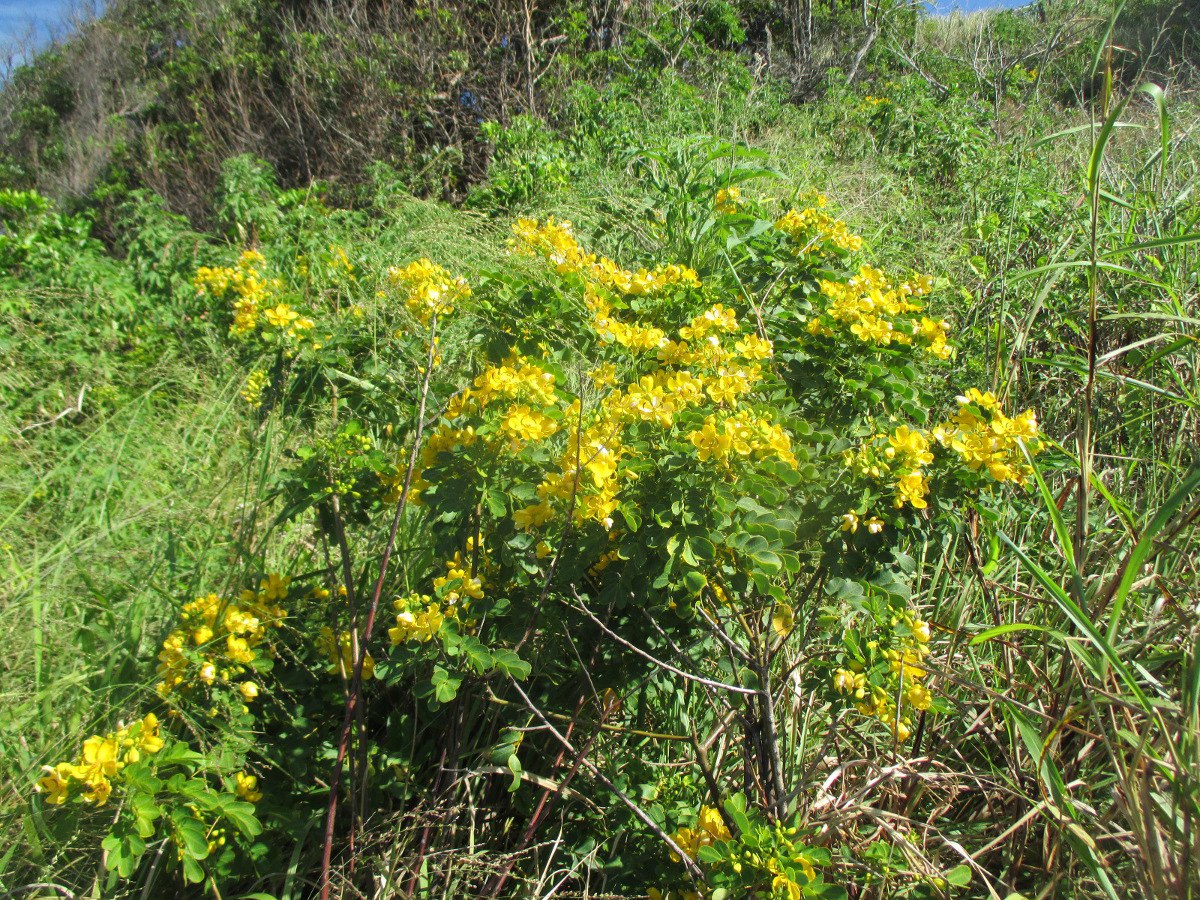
(689, 863)
(73, 410)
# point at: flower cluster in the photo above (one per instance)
(428, 289)
(815, 231)
(283, 321)
(418, 618)
(742, 434)
(459, 584)
(900, 457)
(219, 640)
(588, 474)
(712, 362)
(875, 311)
(765, 860)
(981, 436)
(894, 695)
(256, 383)
(556, 242)
(245, 786)
(254, 298)
(339, 262)
(101, 759)
(728, 201)
(244, 284)
(986, 439)
(710, 828)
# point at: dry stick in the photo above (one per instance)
(772, 740)
(710, 779)
(689, 863)
(496, 884)
(343, 673)
(352, 701)
(74, 410)
(427, 830)
(615, 729)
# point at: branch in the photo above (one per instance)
(689, 863)
(74, 410)
(658, 662)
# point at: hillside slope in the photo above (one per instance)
(717, 449)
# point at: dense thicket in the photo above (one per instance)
(159, 95)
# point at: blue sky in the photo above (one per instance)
(944, 6)
(21, 18)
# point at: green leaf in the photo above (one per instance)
(511, 664)
(1132, 566)
(1080, 620)
(190, 835)
(709, 854)
(735, 808)
(445, 685)
(985, 636)
(192, 871)
(477, 655)
(959, 876)
(514, 766)
(242, 816)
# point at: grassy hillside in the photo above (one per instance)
(715, 449)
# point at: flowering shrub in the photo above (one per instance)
(707, 474)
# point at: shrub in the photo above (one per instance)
(568, 510)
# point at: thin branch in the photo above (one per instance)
(689, 863)
(658, 662)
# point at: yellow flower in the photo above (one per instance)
(149, 739)
(728, 200)
(710, 442)
(918, 697)
(754, 347)
(275, 586)
(280, 316)
(525, 424)
(55, 783)
(712, 824)
(247, 787)
(99, 791)
(912, 488)
(784, 887)
(710, 828)
(418, 618)
(604, 375)
(534, 516)
(847, 682)
(248, 690)
(429, 289)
